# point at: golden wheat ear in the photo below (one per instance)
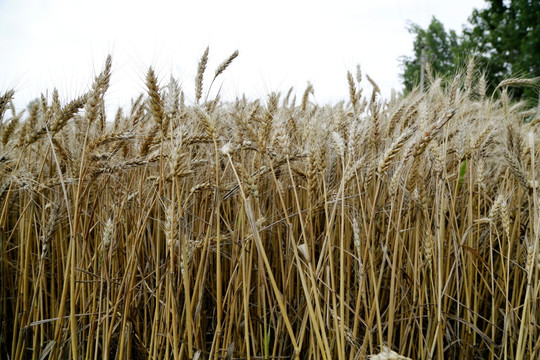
(154, 95)
(200, 75)
(221, 69)
(4, 102)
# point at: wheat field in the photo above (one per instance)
(401, 228)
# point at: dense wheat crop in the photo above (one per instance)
(271, 229)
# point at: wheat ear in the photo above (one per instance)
(518, 82)
(393, 150)
(200, 75)
(224, 65)
(4, 101)
(156, 105)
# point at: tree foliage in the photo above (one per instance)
(504, 37)
(440, 48)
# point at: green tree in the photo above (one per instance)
(505, 37)
(440, 50)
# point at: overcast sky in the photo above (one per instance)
(64, 43)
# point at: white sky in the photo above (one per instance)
(282, 43)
